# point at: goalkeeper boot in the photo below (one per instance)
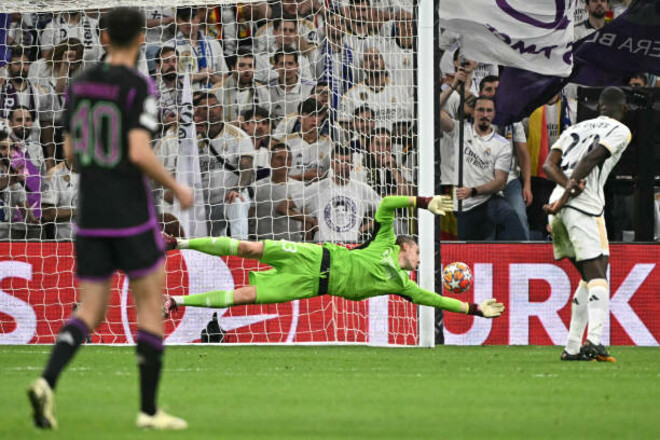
(171, 242)
(579, 356)
(160, 420)
(169, 306)
(42, 399)
(597, 352)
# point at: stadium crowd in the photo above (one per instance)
(304, 118)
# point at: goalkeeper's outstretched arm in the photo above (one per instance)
(438, 205)
(489, 308)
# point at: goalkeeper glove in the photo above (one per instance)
(488, 308)
(438, 205)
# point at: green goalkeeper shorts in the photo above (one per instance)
(295, 273)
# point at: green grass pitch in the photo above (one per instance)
(301, 392)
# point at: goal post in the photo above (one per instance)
(426, 123)
(343, 89)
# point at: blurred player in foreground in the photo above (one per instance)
(305, 270)
(579, 162)
(109, 119)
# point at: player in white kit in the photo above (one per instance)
(579, 162)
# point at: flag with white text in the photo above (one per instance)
(535, 35)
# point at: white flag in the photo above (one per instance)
(534, 35)
(193, 221)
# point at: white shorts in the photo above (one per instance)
(577, 235)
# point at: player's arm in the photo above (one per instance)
(489, 308)
(594, 158)
(143, 157)
(437, 205)
(552, 169)
(575, 185)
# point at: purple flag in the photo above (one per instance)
(21, 162)
(627, 45)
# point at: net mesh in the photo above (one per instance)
(291, 119)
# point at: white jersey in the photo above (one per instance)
(219, 161)
(265, 73)
(398, 60)
(582, 30)
(60, 189)
(167, 151)
(482, 155)
(390, 104)
(235, 101)
(340, 209)
(270, 224)
(283, 102)
(575, 143)
(306, 157)
(159, 33)
(86, 30)
(206, 52)
(265, 40)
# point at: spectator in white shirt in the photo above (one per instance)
(56, 71)
(298, 33)
(382, 172)
(19, 90)
(361, 24)
(257, 124)
(391, 105)
(59, 199)
(518, 191)
(335, 61)
(279, 202)
(240, 92)
(486, 165)
(343, 207)
(286, 33)
(597, 10)
(72, 24)
(289, 89)
(310, 150)
(21, 124)
(226, 164)
(160, 28)
(361, 129)
(169, 86)
(397, 50)
(197, 53)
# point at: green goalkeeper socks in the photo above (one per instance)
(220, 246)
(217, 299)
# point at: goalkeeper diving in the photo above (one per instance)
(305, 270)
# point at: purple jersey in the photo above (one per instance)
(104, 103)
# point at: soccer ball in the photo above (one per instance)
(456, 277)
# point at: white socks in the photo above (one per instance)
(599, 307)
(579, 317)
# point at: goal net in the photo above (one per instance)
(290, 119)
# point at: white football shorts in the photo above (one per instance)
(578, 236)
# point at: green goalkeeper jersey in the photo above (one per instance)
(373, 268)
